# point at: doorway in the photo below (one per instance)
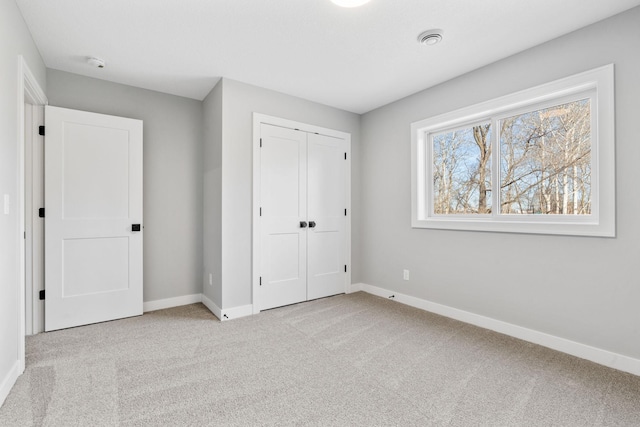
(34, 224)
(96, 181)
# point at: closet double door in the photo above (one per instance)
(303, 216)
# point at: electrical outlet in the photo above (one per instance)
(405, 274)
(211, 279)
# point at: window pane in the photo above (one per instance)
(462, 171)
(545, 161)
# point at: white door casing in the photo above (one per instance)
(34, 225)
(93, 196)
(29, 92)
(301, 231)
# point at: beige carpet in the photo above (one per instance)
(350, 360)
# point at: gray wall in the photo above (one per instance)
(15, 40)
(212, 254)
(580, 288)
(172, 174)
(239, 102)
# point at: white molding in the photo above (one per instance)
(229, 313)
(9, 380)
(213, 308)
(255, 233)
(30, 86)
(29, 147)
(355, 287)
(36, 241)
(583, 351)
(161, 304)
(28, 91)
(237, 312)
(34, 226)
(291, 124)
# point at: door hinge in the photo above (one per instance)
(41, 295)
(260, 280)
(41, 212)
(260, 142)
(41, 130)
(345, 268)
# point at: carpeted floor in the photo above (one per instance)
(350, 360)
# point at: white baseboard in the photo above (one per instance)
(211, 306)
(583, 351)
(229, 313)
(161, 304)
(9, 380)
(355, 287)
(236, 312)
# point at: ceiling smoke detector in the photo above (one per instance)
(430, 37)
(96, 62)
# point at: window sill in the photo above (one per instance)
(566, 226)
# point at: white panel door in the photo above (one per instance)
(283, 241)
(303, 220)
(326, 203)
(93, 199)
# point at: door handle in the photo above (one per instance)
(312, 224)
(303, 224)
(135, 227)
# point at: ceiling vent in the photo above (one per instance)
(430, 37)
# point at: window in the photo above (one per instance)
(537, 161)
(461, 170)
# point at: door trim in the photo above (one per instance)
(29, 92)
(34, 225)
(259, 119)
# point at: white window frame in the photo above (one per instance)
(598, 86)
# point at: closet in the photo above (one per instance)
(301, 236)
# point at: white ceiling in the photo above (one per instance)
(355, 59)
